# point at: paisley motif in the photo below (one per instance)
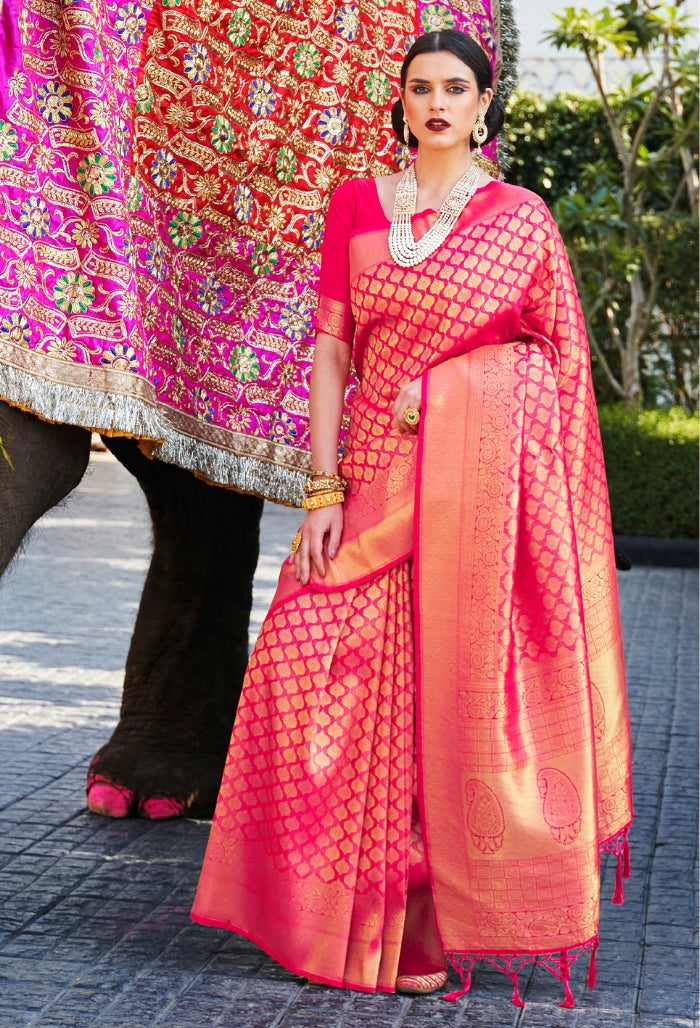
(485, 820)
(561, 805)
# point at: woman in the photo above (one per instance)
(433, 743)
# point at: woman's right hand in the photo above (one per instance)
(321, 530)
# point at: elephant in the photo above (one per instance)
(190, 643)
(165, 175)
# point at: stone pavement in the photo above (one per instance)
(94, 927)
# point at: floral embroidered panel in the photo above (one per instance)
(164, 176)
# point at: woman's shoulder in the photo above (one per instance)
(356, 201)
(509, 196)
(354, 188)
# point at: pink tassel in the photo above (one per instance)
(452, 997)
(565, 975)
(626, 857)
(569, 1001)
(619, 894)
(515, 998)
(593, 967)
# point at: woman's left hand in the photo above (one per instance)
(409, 395)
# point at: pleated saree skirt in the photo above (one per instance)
(316, 831)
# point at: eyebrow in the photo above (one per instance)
(426, 82)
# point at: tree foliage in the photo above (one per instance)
(619, 172)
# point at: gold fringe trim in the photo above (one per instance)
(112, 414)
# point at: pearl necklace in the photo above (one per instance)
(402, 244)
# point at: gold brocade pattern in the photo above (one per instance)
(522, 732)
(319, 781)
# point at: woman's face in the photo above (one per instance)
(441, 100)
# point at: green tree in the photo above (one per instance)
(620, 219)
(670, 351)
(555, 141)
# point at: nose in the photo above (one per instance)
(437, 100)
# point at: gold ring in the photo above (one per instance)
(411, 416)
(296, 542)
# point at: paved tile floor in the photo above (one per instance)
(94, 926)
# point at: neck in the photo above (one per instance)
(437, 172)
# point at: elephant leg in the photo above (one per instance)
(40, 463)
(189, 648)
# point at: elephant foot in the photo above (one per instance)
(159, 808)
(112, 800)
(123, 789)
(108, 799)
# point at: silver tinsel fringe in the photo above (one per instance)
(248, 474)
(130, 416)
(86, 408)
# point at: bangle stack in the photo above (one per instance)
(323, 488)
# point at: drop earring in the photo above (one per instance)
(480, 133)
(406, 131)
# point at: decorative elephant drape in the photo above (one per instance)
(165, 175)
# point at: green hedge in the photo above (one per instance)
(651, 457)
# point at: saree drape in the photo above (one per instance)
(451, 696)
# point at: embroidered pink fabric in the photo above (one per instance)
(165, 171)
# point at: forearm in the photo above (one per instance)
(326, 399)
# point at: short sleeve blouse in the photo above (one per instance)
(354, 207)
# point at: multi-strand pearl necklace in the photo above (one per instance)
(402, 244)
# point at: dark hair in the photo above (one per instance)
(469, 53)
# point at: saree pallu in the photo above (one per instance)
(523, 716)
(446, 709)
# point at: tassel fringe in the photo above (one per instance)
(593, 967)
(558, 963)
(452, 997)
(249, 474)
(618, 897)
(465, 973)
(619, 846)
(515, 998)
(565, 975)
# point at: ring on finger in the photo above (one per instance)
(296, 542)
(411, 416)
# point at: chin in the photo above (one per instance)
(440, 141)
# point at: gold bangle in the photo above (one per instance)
(327, 483)
(322, 500)
(325, 474)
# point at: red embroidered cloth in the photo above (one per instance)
(165, 176)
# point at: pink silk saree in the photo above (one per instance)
(432, 745)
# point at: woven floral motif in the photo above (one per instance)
(165, 175)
